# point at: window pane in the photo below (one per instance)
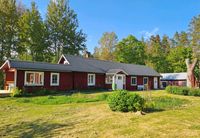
(145, 80)
(29, 78)
(37, 78)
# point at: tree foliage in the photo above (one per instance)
(62, 24)
(106, 48)
(130, 50)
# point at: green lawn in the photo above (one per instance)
(88, 115)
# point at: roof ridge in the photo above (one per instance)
(35, 62)
(103, 60)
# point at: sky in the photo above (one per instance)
(125, 17)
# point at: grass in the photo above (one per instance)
(64, 99)
(88, 115)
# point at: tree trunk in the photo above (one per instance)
(190, 73)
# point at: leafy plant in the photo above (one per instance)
(15, 92)
(183, 90)
(124, 102)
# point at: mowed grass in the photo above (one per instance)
(88, 115)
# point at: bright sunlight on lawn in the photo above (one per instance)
(88, 115)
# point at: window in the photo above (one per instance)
(34, 78)
(145, 80)
(91, 79)
(55, 79)
(133, 81)
(109, 79)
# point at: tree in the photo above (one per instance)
(130, 50)
(156, 55)
(181, 39)
(165, 44)
(8, 29)
(177, 56)
(190, 72)
(33, 36)
(194, 29)
(107, 45)
(62, 24)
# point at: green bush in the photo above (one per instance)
(15, 92)
(194, 92)
(124, 102)
(183, 90)
(135, 103)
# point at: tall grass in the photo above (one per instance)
(54, 100)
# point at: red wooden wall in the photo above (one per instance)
(77, 80)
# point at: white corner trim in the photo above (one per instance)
(66, 61)
(58, 79)
(15, 79)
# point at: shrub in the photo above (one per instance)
(194, 92)
(124, 102)
(183, 90)
(135, 103)
(15, 92)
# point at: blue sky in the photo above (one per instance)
(136, 17)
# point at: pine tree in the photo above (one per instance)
(156, 55)
(62, 24)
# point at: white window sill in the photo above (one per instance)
(91, 84)
(133, 84)
(54, 85)
(34, 85)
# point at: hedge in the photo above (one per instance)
(183, 90)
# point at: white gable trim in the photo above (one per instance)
(66, 61)
(6, 62)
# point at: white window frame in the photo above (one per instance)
(88, 80)
(58, 79)
(107, 81)
(135, 81)
(25, 77)
(147, 80)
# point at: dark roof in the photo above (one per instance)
(105, 66)
(80, 64)
(174, 76)
(37, 66)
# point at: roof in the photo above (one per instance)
(174, 76)
(104, 66)
(27, 65)
(80, 64)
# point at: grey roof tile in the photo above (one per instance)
(80, 64)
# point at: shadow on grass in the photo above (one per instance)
(152, 110)
(33, 129)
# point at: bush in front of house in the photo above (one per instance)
(124, 102)
(16, 92)
(194, 92)
(183, 90)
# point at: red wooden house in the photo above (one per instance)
(75, 72)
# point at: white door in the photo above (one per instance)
(119, 82)
(155, 82)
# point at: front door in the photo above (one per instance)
(119, 82)
(155, 83)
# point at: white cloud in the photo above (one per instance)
(147, 34)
